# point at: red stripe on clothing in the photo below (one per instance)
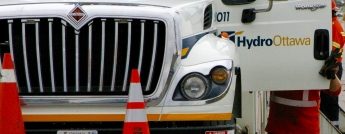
(135, 76)
(135, 105)
(334, 94)
(7, 63)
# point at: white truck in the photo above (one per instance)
(72, 60)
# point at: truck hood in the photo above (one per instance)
(164, 3)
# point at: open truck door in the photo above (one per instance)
(283, 45)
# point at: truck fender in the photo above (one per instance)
(209, 48)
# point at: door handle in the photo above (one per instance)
(321, 44)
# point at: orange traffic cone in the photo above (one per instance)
(11, 120)
(136, 120)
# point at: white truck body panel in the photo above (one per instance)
(274, 52)
(280, 66)
(192, 17)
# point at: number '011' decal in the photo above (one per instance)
(222, 16)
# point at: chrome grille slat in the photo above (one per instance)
(153, 55)
(95, 59)
(10, 37)
(51, 54)
(128, 55)
(38, 54)
(102, 55)
(64, 24)
(141, 44)
(115, 54)
(89, 58)
(76, 60)
(25, 56)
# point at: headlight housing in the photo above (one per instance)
(194, 86)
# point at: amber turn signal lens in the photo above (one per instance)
(219, 75)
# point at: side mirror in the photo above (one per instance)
(248, 15)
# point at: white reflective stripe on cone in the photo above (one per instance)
(8, 75)
(135, 93)
(136, 115)
(294, 103)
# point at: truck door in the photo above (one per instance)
(282, 49)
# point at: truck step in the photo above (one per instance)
(327, 127)
(341, 120)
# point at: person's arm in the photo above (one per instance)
(334, 85)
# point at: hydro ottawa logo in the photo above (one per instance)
(258, 41)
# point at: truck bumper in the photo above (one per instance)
(167, 127)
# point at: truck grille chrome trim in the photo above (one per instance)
(64, 54)
(51, 57)
(38, 55)
(10, 37)
(51, 54)
(141, 44)
(115, 54)
(102, 55)
(128, 54)
(89, 58)
(25, 56)
(153, 56)
(76, 60)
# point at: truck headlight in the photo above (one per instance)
(194, 86)
(219, 75)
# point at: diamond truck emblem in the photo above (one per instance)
(77, 13)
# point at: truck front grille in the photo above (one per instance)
(53, 58)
